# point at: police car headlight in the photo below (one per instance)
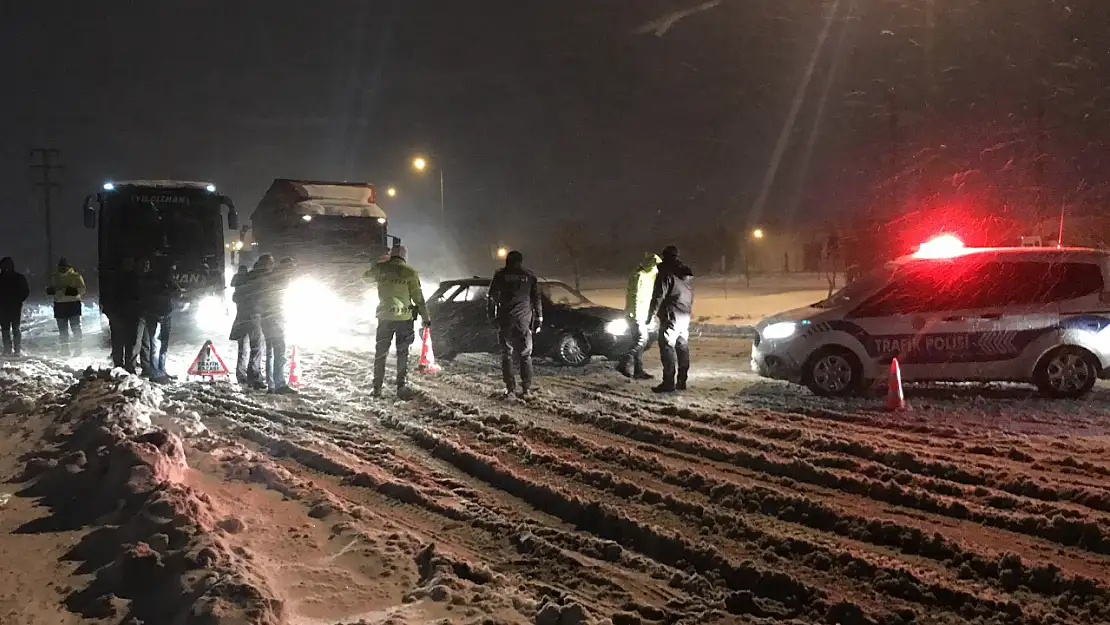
(779, 330)
(617, 327)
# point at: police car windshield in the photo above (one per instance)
(857, 291)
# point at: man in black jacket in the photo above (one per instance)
(514, 304)
(124, 313)
(13, 292)
(673, 300)
(157, 289)
(246, 330)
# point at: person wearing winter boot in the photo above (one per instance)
(67, 288)
(124, 313)
(272, 320)
(514, 305)
(400, 301)
(672, 300)
(637, 299)
(13, 292)
(157, 290)
(246, 329)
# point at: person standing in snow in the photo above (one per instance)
(673, 300)
(124, 314)
(246, 330)
(67, 287)
(271, 315)
(157, 290)
(514, 304)
(637, 299)
(13, 292)
(400, 300)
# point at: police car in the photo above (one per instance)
(952, 313)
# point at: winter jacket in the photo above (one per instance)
(399, 291)
(640, 286)
(673, 294)
(267, 293)
(157, 289)
(66, 286)
(126, 295)
(514, 297)
(13, 291)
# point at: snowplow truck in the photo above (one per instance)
(182, 220)
(334, 230)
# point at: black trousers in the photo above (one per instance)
(405, 333)
(674, 349)
(516, 348)
(124, 329)
(9, 327)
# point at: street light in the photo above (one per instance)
(757, 233)
(419, 163)
(391, 192)
(502, 253)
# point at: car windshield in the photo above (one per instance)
(562, 295)
(859, 289)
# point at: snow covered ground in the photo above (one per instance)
(742, 500)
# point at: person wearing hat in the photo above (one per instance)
(514, 304)
(67, 287)
(637, 299)
(673, 300)
(13, 292)
(400, 300)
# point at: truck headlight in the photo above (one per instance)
(617, 327)
(779, 330)
(210, 313)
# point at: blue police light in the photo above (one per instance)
(109, 186)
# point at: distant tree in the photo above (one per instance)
(570, 236)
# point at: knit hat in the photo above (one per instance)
(399, 251)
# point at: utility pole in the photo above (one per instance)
(43, 166)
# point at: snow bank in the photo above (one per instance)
(148, 536)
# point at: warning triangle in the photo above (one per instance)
(208, 362)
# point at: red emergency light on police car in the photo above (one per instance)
(942, 246)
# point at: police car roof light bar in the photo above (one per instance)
(943, 246)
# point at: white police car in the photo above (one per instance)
(950, 313)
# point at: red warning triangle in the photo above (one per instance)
(208, 362)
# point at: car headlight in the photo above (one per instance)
(210, 312)
(779, 330)
(617, 327)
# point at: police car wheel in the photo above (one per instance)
(572, 349)
(834, 372)
(1066, 373)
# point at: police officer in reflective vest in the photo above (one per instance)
(514, 305)
(400, 300)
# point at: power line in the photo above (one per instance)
(43, 170)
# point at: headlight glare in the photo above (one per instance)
(617, 327)
(779, 330)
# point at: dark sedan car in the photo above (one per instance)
(574, 328)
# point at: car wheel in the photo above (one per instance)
(833, 372)
(1066, 373)
(571, 349)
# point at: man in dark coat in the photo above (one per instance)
(271, 312)
(157, 291)
(124, 314)
(673, 300)
(13, 292)
(514, 305)
(246, 330)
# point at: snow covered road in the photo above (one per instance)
(598, 502)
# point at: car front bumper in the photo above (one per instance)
(775, 364)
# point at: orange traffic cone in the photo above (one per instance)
(427, 362)
(895, 399)
(294, 376)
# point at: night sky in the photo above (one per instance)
(545, 112)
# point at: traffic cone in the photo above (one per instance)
(895, 399)
(294, 376)
(427, 362)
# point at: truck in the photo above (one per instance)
(182, 220)
(334, 231)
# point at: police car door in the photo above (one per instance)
(1023, 302)
(922, 318)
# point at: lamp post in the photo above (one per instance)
(391, 191)
(420, 164)
(756, 235)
